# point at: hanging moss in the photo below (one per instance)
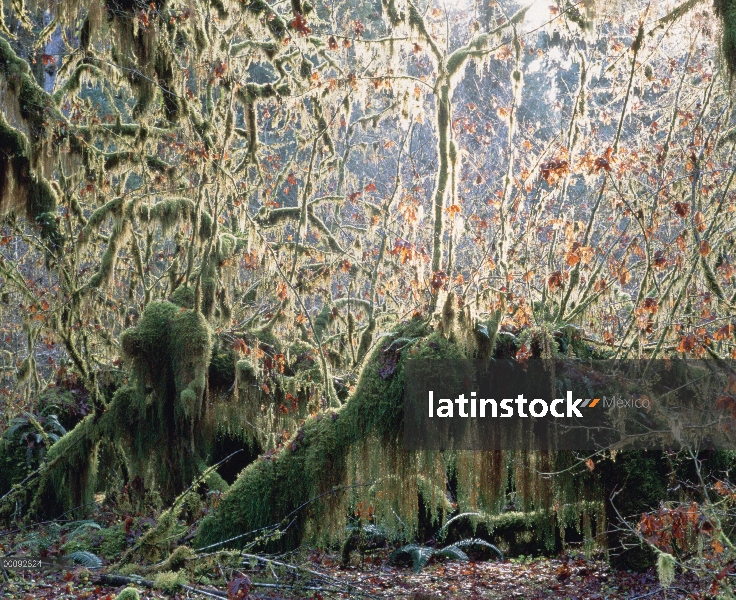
(147, 345)
(169, 353)
(68, 486)
(172, 212)
(190, 348)
(209, 289)
(21, 184)
(362, 442)
(726, 11)
(227, 246)
(18, 182)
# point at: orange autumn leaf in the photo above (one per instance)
(717, 547)
(723, 333)
(651, 305)
(682, 209)
(555, 281)
(699, 219)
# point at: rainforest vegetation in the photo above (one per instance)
(225, 225)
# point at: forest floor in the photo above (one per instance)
(566, 577)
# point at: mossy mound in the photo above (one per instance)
(128, 593)
(351, 462)
(170, 354)
(316, 461)
(153, 423)
(170, 581)
(90, 537)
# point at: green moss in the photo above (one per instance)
(13, 141)
(71, 484)
(170, 581)
(172, 212)
(128, 593)
(205, 225)
(177, 559)
(245, 370)
(113, 542)
(228, 244)
(106, 272)
(275, 23)
(147, 346)
(726, 11)
(215, 483)
(321, 321)
(222, 370)
(183, 296)
(303, 362)
(209, 288)
(270, 489)
(169, 353)
(16, 172)
(129, 570)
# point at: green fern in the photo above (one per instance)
(477, 542)
(453, 553)
(86, 559)
(420, 555)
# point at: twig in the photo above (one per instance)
(647, 595)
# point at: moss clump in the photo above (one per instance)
(209, 288)
(128, 593)
(215, 483)
(113, 542)
(147, 346)
(245, 370)
(172, 212)
(190, 348)
(41, 198)
(183, 296)
(227, 246)
(303, 362)
(170, 581)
